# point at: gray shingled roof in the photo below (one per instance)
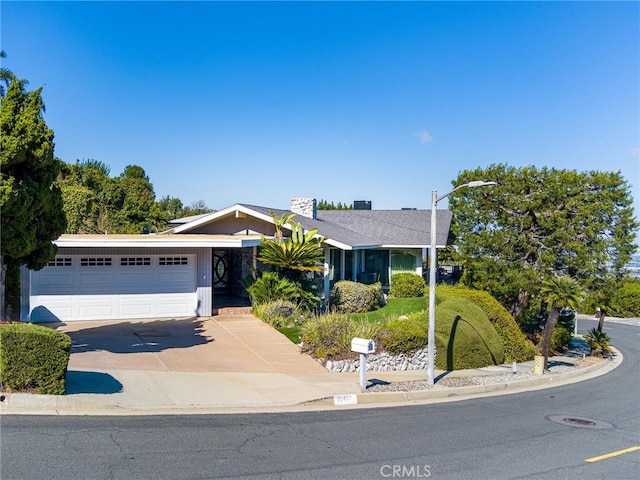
(366, 228)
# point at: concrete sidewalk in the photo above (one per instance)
(240, 365)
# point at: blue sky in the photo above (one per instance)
(261, 102)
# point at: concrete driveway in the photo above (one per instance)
(224, 343)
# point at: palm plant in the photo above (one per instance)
(558, 292)
(605, 303)
(301, 252)
(598, 341)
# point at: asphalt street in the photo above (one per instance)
(574, 431)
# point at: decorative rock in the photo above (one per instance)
(382, 362)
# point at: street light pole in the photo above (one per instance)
(433, 259)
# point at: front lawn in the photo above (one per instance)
(394, 308)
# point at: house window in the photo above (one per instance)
(402, 262)
(167, 261)
(60, 262)
(95, 262)
(376, 265)
(135, 261)
(348, 265)
(334, 266)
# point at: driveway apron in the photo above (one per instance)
(224, 343)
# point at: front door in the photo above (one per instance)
(222, 271)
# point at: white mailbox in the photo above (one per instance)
(362, 345)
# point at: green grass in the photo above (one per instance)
(292, 333)
(394, 308)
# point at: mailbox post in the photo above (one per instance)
(363, 346)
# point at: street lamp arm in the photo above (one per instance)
(476, 183)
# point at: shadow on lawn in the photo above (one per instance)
(137, 336)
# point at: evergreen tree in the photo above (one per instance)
(30, 201)
(538, 222)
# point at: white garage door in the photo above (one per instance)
(81, 287)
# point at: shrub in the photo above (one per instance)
(560, 339)
(405, 285)
(401, 336)
(516, 346)
(330, 335)
(33, 357)
(598, 342)
(354, 297)
(627, 299)
(270, 286)
(278, 313)
(465, 338)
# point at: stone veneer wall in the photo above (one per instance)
(307, 207)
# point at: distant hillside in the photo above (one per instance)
(634, 266)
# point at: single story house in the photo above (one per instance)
(182, 271)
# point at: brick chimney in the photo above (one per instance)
(307, 207)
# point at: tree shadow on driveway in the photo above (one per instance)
(144, 336)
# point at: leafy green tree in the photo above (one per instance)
(138, 202)
(558, 292)
(31, 202)
(196, 208)
(92, 199)
(325, 205)
(538, 221)
(301, 252)
(5, 75)
(170, 208)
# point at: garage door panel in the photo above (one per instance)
(135, 310)
(53, 280)
(99, 306)
(52, 308)
(179, 305)
(135, 284)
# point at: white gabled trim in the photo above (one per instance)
(237, 210)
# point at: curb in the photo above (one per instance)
(445, 394)
(23, 403)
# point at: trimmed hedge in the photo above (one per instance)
(354, 297)
(516, 346)
(401, 336)
(465, 338)
(406, 285)
(33, 358)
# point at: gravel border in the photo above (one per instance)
(480, 379)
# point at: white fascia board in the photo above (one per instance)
(170, 242)
(343, 246)
(340, 245)
(426, 245)
(368, 247)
